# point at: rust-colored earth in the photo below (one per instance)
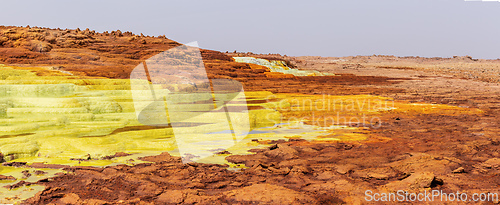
(415, 152)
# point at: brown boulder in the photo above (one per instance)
(39, 46)
(70, 198)
(248, 160)
(94, 202)
(421, 180)
(415, 181)
(281, 151)
(492, 163)
(421, 162)
(326, 175)
(163, 157)
(147, 189)
(344, 169)
(171, 197)
(3, 40)
(268, 194)
(382, 173)
(458, 170)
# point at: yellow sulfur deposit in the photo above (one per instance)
(279, 66)
(65, 119)
(59, 118)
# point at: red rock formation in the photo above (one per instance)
(114, 54)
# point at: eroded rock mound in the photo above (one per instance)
(268, 194)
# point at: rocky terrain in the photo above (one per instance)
(451, 145)
(114, 55)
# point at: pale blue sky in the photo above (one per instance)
(327, 28)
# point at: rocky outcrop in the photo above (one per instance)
(172, 183)
(279, 66)
(114, 54)
(415, 182)
(3, 177)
